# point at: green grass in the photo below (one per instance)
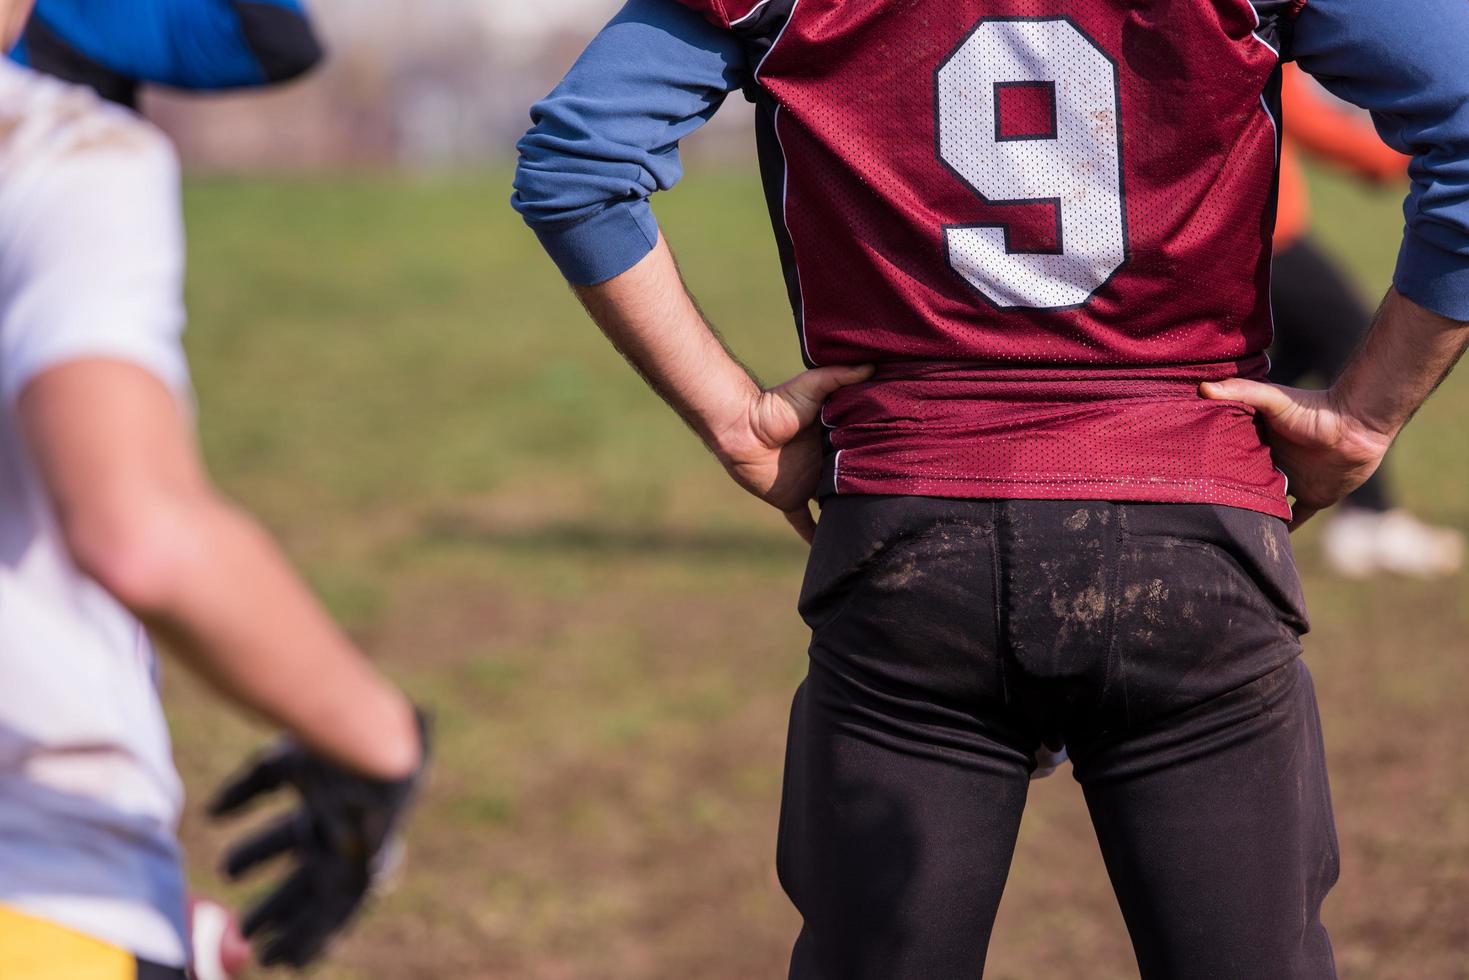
(393, 377)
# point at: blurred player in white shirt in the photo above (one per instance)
(108, 525)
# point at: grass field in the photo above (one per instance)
(392, 376)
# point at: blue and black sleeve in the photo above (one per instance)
(1405, 64)
(189, 44)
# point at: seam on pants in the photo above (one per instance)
(1114, 587)
(1001, 519)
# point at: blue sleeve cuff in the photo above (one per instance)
(1432, 277)
(607, 244)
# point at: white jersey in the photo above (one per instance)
(91, 265)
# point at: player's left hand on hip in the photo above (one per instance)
(343, 839)
(1324, 451)
(775, 450)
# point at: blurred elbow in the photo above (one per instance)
(141, 555)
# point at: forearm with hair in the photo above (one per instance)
(1407, 354)
(649, 316)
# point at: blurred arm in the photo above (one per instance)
(192, 44)
(90, 358)
(140, 517)
(1325, 131)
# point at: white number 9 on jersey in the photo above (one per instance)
(1028, 113)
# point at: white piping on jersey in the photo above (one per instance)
(1271, 116)
(776, 43)
(753, 11)
(1270, 273)
(1275, 51)
(1258, 37)
(1256, 32)
(1275, 130)
(836, 471)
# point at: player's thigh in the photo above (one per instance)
(32, 948)
(1204, 770)
(1217, 831)
(904, 784)
(895, 841)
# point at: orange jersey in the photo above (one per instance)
(1315, 126)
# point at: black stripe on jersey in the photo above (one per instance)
(1271, 98)
(49, 54)
(1277, 18)
(759, 29)
(773, 178)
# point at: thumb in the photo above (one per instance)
(1271, 400)
(807, 391)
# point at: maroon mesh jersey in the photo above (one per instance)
(1045, 222)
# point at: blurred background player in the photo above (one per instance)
(108, 525)
(1320, 320)
(197, 45)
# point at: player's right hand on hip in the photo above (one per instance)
(1324, 451)
(774, 450)
(343, 840)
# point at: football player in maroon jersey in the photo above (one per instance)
(1027, 246)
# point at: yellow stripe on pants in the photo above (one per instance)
(35, 949)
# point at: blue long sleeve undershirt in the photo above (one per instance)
(1406, 64)
(607, 137)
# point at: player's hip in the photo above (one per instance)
(91, 869)
(1116, 611)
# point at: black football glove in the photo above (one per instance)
(343, 839)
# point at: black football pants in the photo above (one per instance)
(1160, 642)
